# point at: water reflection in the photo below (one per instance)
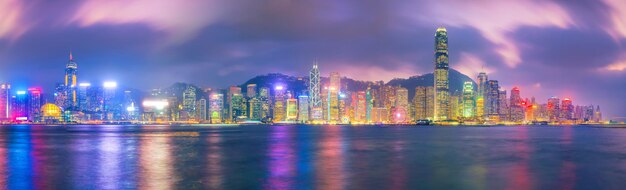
(281, 159)
(20, 171)
(330, 166)
(520, 178)
(214, 160)
(567, 175)
(109, 161)
(155, 163)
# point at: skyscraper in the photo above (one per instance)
(292, 109)
(481, 95)
(189, 102)
(424, 102)
(553, 109)
(35, 101)
(333, 96)
(303, 108)
(492, 103)
(515, 105)
(251, 91)
(441, 74)
(279, 104)
(216, 106)
(5, 101)
(70, 83)
(567, 109)
(314, 93)
(83, 98)
(402, 105)
(469, 101)
(201, 110)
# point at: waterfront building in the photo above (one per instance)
(303, 108)
(189, 103)
(34, 102)
(401, 105)
(597, 116)
(83, 100)
(333, 97)
(359, 105)
(70, 84)
(369, 100)
(516, 108)
(292, 109)
(469, 102)
(232, 90)
(504, 110)
(19, 107)
(251, 91)
(238, 108)
(155, 110)
(424, 102)
(216, 106)
(567, 109)
(314, 94)
(5, 102)
(51, 113)
(493, 100)
(279, 104)
(441, 74)
(454, 107)
(201, 108)
(553, 109)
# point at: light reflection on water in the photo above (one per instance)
(305, 157)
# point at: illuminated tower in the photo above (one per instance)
(333, 96)
(481, 95)
(553, 108)
(469, 103)
(567, 109)
(70, 83)
(516, 108)
(314, 94)
(441, 74)
(5, 103)
(423, 102)
(189, 102)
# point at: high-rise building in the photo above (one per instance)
(504, 110)
(71, 69)
(131, 109)
(333, 97)
(265, 100)
(424, 102)
(492, 104)
(201, 110)
(401, 109)
(454, 107)
(567, 109)
(441, 74)
(112, 106)
(19, 107)
(359, 105)
(238, 108)
(553, 109)
(35, 101)
(469, 101)
(517, 110)
(83, 100)
(231, 92)
(279, 104)
(251, 91)
(216, 106)
(597, 116)
(292, 109)
(303, 108)
(314, 94)
(189, 102)
(369, 99)
(5, 101)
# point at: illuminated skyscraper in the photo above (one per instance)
(369, 99)
(189, 102)
(359, 105)
(19, 106)
(553, 109)
(314, 94)
(492, 104)
(454, 107)
(441, 74)
(469, 102)
(401, 105)
(264, 98)
(292, 109)
(333, 97)
(279, 104)
(597, 116)
(229, 101)
(567, 109)
(515, 105)
(83, 98)
(70, 83)
(504, 110)
(481, 95)
(5, 101)
(216, 106)
(303, 108)
(424, 102)
(251, 91)
(201, 110)
(238, 108)
(35, 101)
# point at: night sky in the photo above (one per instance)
(562, 48)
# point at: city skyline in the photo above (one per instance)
(554, 53)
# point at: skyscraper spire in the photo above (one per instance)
(71, 57)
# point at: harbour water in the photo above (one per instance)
(311, 157)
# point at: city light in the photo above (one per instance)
(21, 92)
(84, 84)
(279, 87)
(110, 84)
(157, 104)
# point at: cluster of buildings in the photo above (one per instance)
(329, 102)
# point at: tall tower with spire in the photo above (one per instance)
(314, 93)
(441, 74)
(70, 82)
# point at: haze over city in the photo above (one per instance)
(564, 49)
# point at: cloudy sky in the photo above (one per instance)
(547, 48)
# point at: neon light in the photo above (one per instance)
(84, 84)
(279, 87)
(21, 92)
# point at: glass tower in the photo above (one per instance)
(441, 74)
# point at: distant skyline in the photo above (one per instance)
(566, 48)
